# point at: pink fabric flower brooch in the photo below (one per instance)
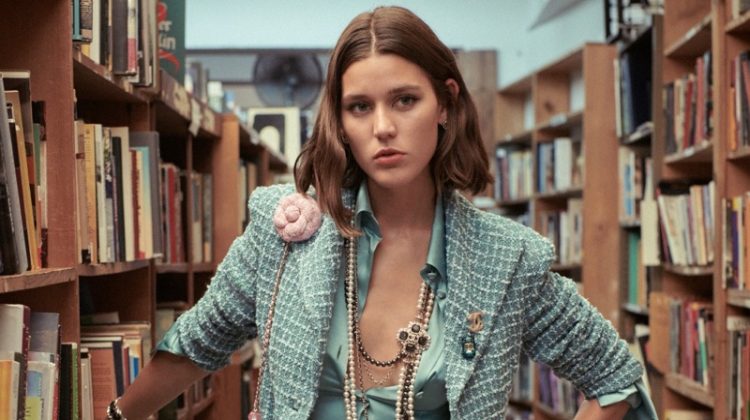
(297, 217)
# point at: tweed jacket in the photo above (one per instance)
(494, 265)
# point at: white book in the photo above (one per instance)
(41, 381)
(87, 395)
(101, 215)
(145, 223)
(95, 48)
(127, 190)
(563, 156)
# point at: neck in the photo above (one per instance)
(406, 208)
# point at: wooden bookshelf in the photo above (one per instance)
(191, 135)
(36, 279)
(163, 268)
(548, 104)
(738, 298)
(690, 389)
(108, 269)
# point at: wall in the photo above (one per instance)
(503, 25)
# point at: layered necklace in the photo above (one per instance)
(413, 340)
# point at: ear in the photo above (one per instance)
(453, 89)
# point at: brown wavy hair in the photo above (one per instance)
(460, 161)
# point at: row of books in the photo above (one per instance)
(682, 339)
(513, 174)
(686, 222)
(634, 182)
(120, 35)
(118, 195)
(688, 108)
(557, 394)
(564, 228)
(633, 85)
(736, 236)
(522, 387)
(739, 366)
(23, 212)
(738, 112)
(44, 379)
(559, 165)
(175, 183)
(130, 203)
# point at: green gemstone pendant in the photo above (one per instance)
(468, 347)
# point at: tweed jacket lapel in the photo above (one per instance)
(478, 276)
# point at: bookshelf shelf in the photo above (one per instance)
(558, 195)
(694, 42)
(93, 270)
(630, 223)
(518, 139)
(562, 122)
(36, 279)
(740, 154)
(690, 389)
(202, 405)
(700, 153)
(566, 266)
(640, 136)
(94, 82)
(689, 271)
(514, 203)
(203, 267)
(522, 403)
(180, 268)
(552, 414)
(634, 309)
(740, 25)
(739, 298)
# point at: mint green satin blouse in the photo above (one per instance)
(430, 393)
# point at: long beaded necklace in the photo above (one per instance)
(414, 340)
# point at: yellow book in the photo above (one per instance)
(9, 371)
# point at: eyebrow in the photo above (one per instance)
(392, 92)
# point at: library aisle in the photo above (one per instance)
(127, 161)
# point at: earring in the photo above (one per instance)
(444, 124)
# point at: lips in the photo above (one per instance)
(388, 157)
(387, 152)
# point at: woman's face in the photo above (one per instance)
(390, 116)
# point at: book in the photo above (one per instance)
(13, 241)
(87, 392)
(10, 371)
(19, 117)
(148, 143)
(14, 328)
(125, 207)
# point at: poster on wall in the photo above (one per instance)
(279, 128)
(171, 24)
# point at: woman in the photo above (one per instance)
(366, 316)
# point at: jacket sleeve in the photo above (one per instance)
(564, 331)
(224, 318)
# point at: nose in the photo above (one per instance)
(383, 126)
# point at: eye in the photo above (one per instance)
(358, 107)
(405, 101)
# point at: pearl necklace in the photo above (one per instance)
(414, 341)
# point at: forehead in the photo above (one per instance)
(382, 72)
